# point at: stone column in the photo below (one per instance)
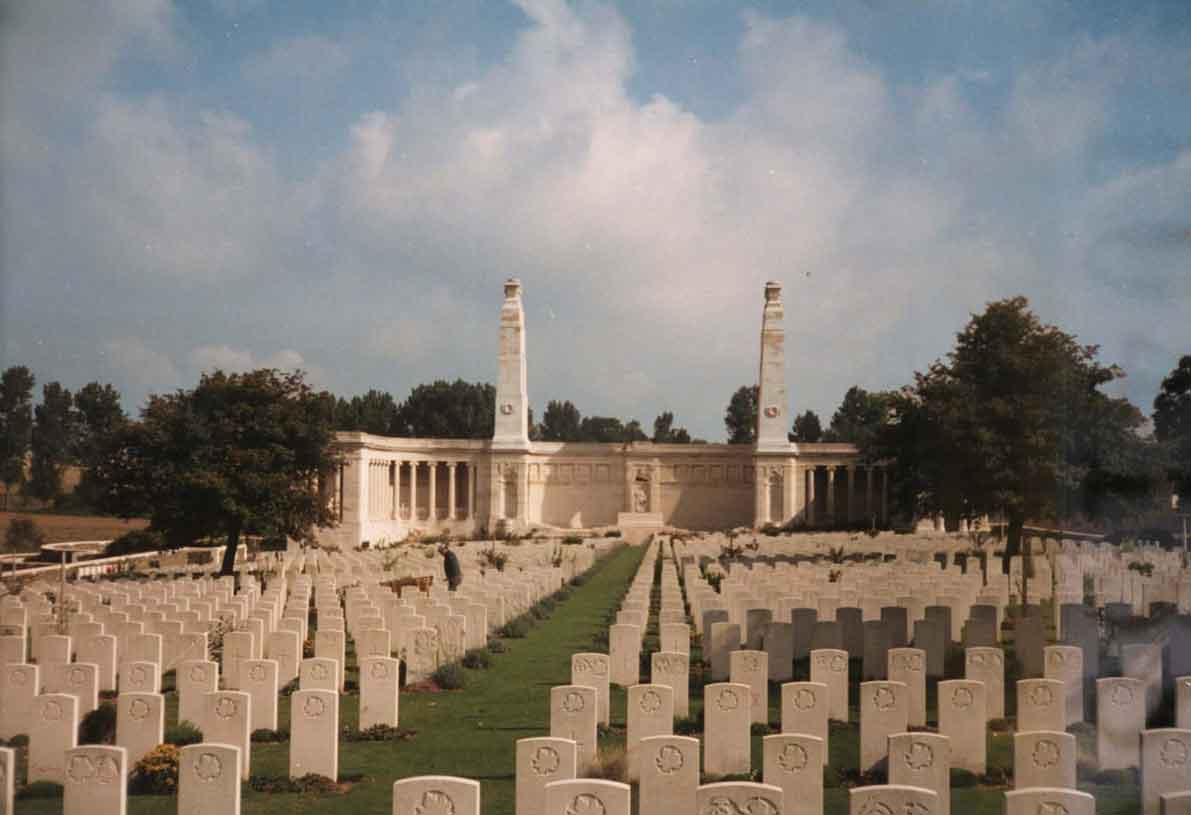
(655, 487)
(413, 491)
(432, 509)
(628, 487)
(884, 494)
(397, 489)
(810, 495)
(471, 490)
(789, 492)
(451, 490)
(831, 495)
(498, 491)
(760, 496)
(851, 493)
(523, 492)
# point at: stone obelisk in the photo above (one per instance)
(773, 408)
(512, 396)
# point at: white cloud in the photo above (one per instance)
(297, 62)
(138, 367)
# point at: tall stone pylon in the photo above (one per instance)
(773, 406)
(512, 395)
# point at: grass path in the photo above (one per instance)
(469, 733)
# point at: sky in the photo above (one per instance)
(344, 187)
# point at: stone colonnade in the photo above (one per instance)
(415, 489)
(822, 495)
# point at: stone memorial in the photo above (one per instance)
(883, 712)
(53, 730)
(649, 711)
(594, 670)
(140, 724)
(668, 768)
(673, 670)
(1041, 706)
(94, 781)
(908, 666)
(794, 762)
(314, 734)
(987, 665)
(1120, 718)
(804, 709)
(573, 715)
(830, 668)
(1049, 801)
(1065, 663)
(962, 719)
(739, 796)
(725, 638)
(542, 761)
(433, 794)
(587, 795)
(1165, 765)
(727, 727)
(227, 719)
(209, 779)
(1043, 758)
(922, 760)
(379, 691)
(319, 673)
(752, 668)
(887, 799)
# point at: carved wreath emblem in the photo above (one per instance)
(1051, 808)
(771, 411)
(208, 767)
(1041, 696)
(586, 804)
(1122, 695)
(1046, 754)
(545, 761)
(839, 663)
(962, 698)
(910, 662)
(793, 758)
(669, 760)
(379, 670)
(319, 671)
(804, 699)
(139, 709)
(884, 698)
(102, 769)
(51, 711)
(752, 663)
(727, 700)
(257, 673)
(226, 708)
(18, 678)
(920, 756)
(198, 673)
(651, 702)
(77, 676)
(573, 702)
(506, 408)
(753, 806)
(1175, 753)
(435, 802)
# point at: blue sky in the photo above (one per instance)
(343, 188)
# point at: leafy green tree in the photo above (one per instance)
(664, 431)
(858, 418)
(1172, 423)
(16, 425)
(634, 432)
(449, 410)
(561, 421)
(601, 429)
(740, 418)
(807, 428)
(375, 412)
(53, 441)
(98, 415)
(240, 454)
(1000, 426)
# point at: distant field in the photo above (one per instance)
(61, 528)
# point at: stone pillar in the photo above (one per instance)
(355, 489)
(810, 495)
(831, 495)
(397, 489)
(851, 470)
(773, 409)
(655, 487)
(498, 492)
(451, 490)
(432, 509)
(471, 490)
(511, 431)
(628, 487)
(523, 492)
(413, 492)
(789, 492)
(760, 495)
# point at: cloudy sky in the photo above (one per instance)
(343, 187)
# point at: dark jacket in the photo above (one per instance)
(451, 566)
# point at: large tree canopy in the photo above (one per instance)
(859, 417)
(16, 424)
(1013, 423)
(241, 453)
(740, 418)
(54, 436)
(807, 428)
(449, 410)
(1172, 423)
(560, 422)
(664, 431)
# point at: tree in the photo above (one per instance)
(858, 418)
(375, 412)
(1172, 423)
(53, 441)
(664, 431)
(807, 428)
(634, 432)
(16, 425)
(1002, 425)
(98, 415)
(740, 418)
(561, 421)
(605, 429)
(449, 410)
(239, 454)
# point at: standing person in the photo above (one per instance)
(450, 563)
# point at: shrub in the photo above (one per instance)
(612, 533)
(963, 778)
(572, 540)
(266, 736)
(514, 629)
(99, 726)
(156, 773)
(40, 789)
(135, 542)
(289, 687)
(449, 676)
(23, 535)
(477, 658)
(309, 784)
(496, 646)
(688, 726)
(611, 764)
(183, 733)
(378, 732)
(578, 580)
